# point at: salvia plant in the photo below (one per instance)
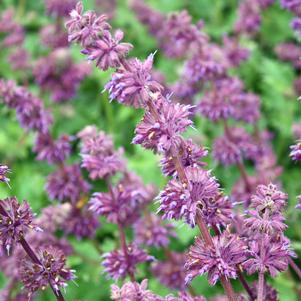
(190, 202)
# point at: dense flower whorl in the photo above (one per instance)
(108, 51)
(50, 271)
(98, 154)
(133, 291)
(267, 255)
(219, 260)
(59, 8)
(151, 231)
(268, 197)
(132, 84)
(184, 296)
(295, 153)
(180, 200)
(119, 265)
(15, 219)
(66, 184)
(190, 155)
(161, 133)
(85, 28)
(52, 151)
(171, 272)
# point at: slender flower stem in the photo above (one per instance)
(294, 267)
(121, 231)
(260, 286)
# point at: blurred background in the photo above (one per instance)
(263, 73)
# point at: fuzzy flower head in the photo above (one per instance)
(150, 231)
(122, 204)
(85, 28)
(161, 133)
(190, 155)
(171, 272)
(108, 51)
(119, 265)
(181, 200)
(133, 291)
(52, 151)
(218, 260)
(50, 270)
(98, 154)
(66, 184)
(3, 174)
(272, 258)
(15, 219)
(268, 197)
(132, 84)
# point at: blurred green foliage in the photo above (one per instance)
(262, 73)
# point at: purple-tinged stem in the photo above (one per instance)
(294, 267)
(121, 231)
(260, 286)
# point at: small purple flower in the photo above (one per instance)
(133, 291)
(82, 223)
(217, 211)
(273, 259)
(98, 154)
(296, 25)
(108, 51)
(268, 197)
(15, 219)
(171, 272)
(299, 202)
(152, 232)
(52, 151)
(295, 153)
(218, 103)
(181, 200)
(85, 28)
(132, 85)
(118, 265)
(219, 260)
(3, 174)
(178, 35)
(50, 271)
(66, 184)
(191, 154)
(59, 8)
(121, 205)
(184, 296)
(163, 134)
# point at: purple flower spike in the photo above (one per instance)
(133, 84)
(219, 260)
(118, 265)
(108, 51)
(15, 219)
(163, 134)
(3, 171)
(180, 200)
(51, 270)
(52, 151)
